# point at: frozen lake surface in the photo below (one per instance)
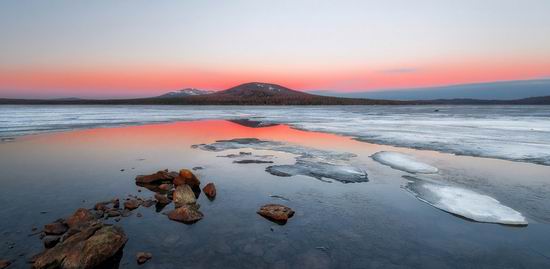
(518, 133)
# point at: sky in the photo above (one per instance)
(136, 48)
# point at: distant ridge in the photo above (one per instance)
(500, 90)
(259, 93)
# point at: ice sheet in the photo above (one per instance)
(403, 162)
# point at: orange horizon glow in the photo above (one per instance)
(142, 82)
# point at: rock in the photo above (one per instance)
(187, 177)
(156, 177)
(148, 203)
(277, 213)
(81, 217)
(162, 199)
(87, 249)
(113, 213)
(187, 214)
(100, 206)
(50, 240)
(143, 257)
(165, 187)
(116, 203)
(55, 228)
(210, 190)
(139, 215)
(4, 264)
(184, 195)
(131, 204)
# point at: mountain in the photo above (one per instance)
(258, 93)
(185, 92)
(503, 90)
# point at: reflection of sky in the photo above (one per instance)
(140, 48)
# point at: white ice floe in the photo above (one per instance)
(403, 162)
(465, 203)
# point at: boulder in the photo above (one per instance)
(187, 214)
(55, 228)
(184, 195)
(132, 204)
(100, 207)
(210, 190)
(165, 187)
(277, 213)
(81, 217)
(142, 257)
(159, 176)
(187, 177)
(87, 249)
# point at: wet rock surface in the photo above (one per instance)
(4, 264)
(80, 218)
(276, 213)
(184, 195)
(55, 228)
(187, 214)
(143, 257)
(159, 176)
(210, 190)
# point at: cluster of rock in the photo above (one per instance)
(84, 240)
(182, 189)
(80, 241)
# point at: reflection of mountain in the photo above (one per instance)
(256, 93)
(252, 123)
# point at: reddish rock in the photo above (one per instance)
(165, 187)
(210, 190)
(187, 177)
(156, 177)
(86, 249)
(131, 204)
(276, 213)
(4, 264)
(184, 195)
(100, 207)
(81, 217)
(143, 257)
(162, 199)
(187, 214)
(56, 228)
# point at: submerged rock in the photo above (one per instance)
(187, 214)
(142, 257)
(210, 190)
(50, 240)
(403, 162)
(249, 161)
(81, 217)
(464, 203)
(162, 175)
(4, 264)
(132, 204)
(184, 195)
(89, 248)
(277, 213)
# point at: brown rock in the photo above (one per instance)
(131, 204)
(116, 203)
(4, 264)
(210, 190)
(184, 195)
(113, 213)
(143, 257)
(100, 206)
(187, 214)
(55, 228)
(86, 249)
(148, 203)
(277, 213)
(156, 177)
(165, 187)
(187, 177)
(162, 199)
(81, 217)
